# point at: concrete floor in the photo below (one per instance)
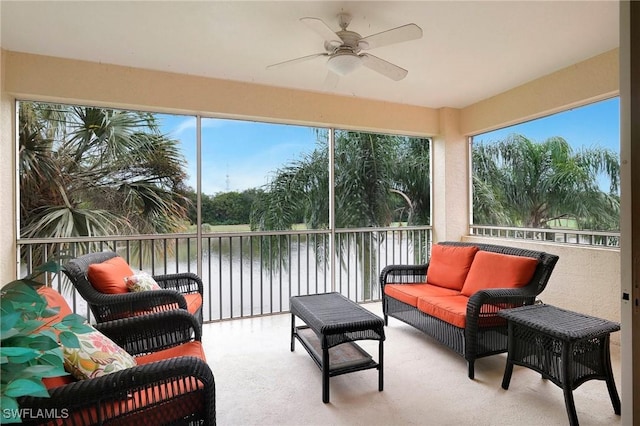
(259, 381)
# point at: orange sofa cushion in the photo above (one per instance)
(449, 265)
(109, 276)
(194, 302)
(496, 270)
(187, 349)
(451, 309)
(409, 293)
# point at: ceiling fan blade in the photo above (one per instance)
(295, 61)
(330, 81)
(385, 68)
(395, 35)
(323, 30)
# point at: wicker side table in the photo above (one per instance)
(333, 324)
(566, 347)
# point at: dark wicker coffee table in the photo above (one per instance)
(333, 323)
(566, 347)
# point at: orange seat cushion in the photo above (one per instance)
(496, 270)
(194, 302)
(109, 276)
(54, 382)
(449, 265)
(451, 309)
(186, 349)
(409, 293)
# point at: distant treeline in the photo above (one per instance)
(224, 208)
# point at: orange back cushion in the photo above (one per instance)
(495, 270)
(108, 276)
(449, 265)
(54, 300)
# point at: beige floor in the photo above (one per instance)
(260, 382)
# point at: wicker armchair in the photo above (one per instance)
(485, 333)
(165, 389)
(183, 291)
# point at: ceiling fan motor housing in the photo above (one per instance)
(350, 40)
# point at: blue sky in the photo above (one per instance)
(237, 155)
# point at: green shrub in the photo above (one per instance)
(27, 355)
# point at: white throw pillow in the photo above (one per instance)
(141, 281)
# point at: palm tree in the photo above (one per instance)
(371, 171)
(88, 171)
(519, 182)
(375, 176)
(411, 179)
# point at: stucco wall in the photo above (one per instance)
(7, 176)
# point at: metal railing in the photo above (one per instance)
(249, 273)
(564, 236)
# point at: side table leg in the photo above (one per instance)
(567, 381)
(508, 369)
(613, 393)
(611, 384)
(570, 404)
(325, 375)
(380, 366)
(293, 329)
(506, 379)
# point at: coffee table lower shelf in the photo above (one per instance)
(344, 358)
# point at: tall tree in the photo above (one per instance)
(520, 182)
(94, 171)
(375, 176)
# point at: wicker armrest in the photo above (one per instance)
(486, 303)
(142, 392)
(151, 333)
(142, 300)
(403, 274)
(185, 283)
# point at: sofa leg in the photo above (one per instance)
(471, 369)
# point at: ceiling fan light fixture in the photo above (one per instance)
(343, 63)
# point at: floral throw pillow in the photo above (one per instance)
(97, 356)
(141, 281)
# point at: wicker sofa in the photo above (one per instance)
(171, 382)
(455, 297)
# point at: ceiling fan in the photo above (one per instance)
(344, 48)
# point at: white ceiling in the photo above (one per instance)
(471, 50)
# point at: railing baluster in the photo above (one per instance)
(261, 277)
